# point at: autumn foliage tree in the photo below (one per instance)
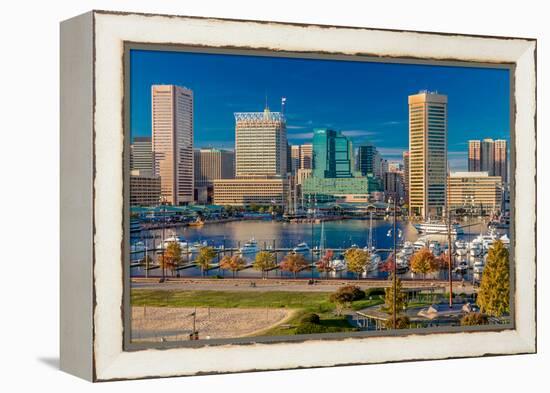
(205, 257)
(473, 319)
(233, 263)
(344, 296)
(323, 264)
(356, 260)
(293, 263)
(171, 257)
(423, 261)
(264, 261)
(494, 291)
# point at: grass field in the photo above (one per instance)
(301, 302)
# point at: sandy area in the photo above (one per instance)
(175, 323)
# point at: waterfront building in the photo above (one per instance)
(302, 175)
(260, 144)
(211, 164)
(306, 156)
(141, 155)
(474, 156)
(333, 173)
(172, 142)
(477, 191)
(427, 153)
(247, 191)
(144, 189)
(501, 159)
(406, 176)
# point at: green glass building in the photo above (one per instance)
(333, 172)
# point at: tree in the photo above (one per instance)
(171, 257)
(494, 291)
(400, 301)
(293, 263)
(344, 296)
(473, 319)
(324, 264)
(264, 261)
(356, 260)
(233, 263)
(205, 257)
(423, 261)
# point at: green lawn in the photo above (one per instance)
(300, 302)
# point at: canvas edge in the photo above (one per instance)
(526, 337)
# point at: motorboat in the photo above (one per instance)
(408, 248)
(175, 239)
(505, 240)
(301, 248)
(478, 267)
(419, 244)
(438, 228)
(338, 264)
(374, 263)
(476, 248)
(435, 248)
(461, 247)
(250, 247)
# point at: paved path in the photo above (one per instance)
(287, 285)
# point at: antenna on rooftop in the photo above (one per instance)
(283, 102)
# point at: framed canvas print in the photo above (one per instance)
(246, 195)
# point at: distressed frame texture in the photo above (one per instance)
(96, 349)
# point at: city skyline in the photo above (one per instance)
(478, 98)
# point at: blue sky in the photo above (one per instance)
(367, 101)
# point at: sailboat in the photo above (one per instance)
(375, 258)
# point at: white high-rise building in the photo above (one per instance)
(260, 145)
(172, 142)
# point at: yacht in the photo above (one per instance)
(301, 248)
(250, 247)
(175, 239)
(419, 244)
(478, 267)
(338, 264)
(505, 240)
(461, 247)
(439, 228)
(408, 248)
(476, 248)
(435, 248)
(375, 260)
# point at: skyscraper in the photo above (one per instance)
(489, 156)
(260, 144)
(295, 158)
(501, 159)
(428, 153)
(474, 156)
(366, 157)
(211, 164)
(406, 176)
(306, 156)
(172, 142)
(332, 154)
(333, 176)
(141, 155)
(487, 162)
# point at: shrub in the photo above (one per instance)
(473, 319)
(375, 292)
(310, 318)
(310, 328)
(349, 293)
